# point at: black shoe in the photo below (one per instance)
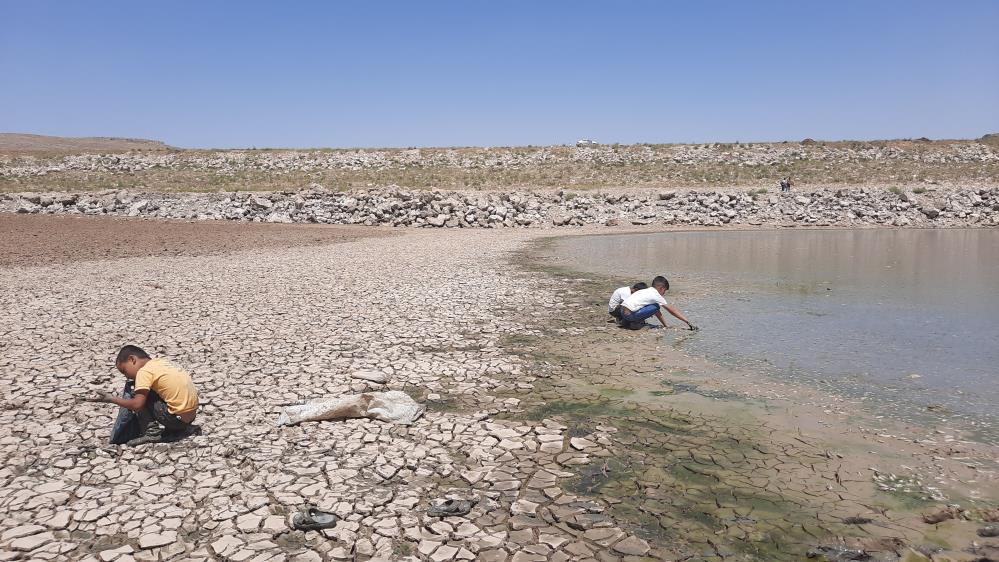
(311, 519)
(153, 434)
(451, 508)
(171, 435)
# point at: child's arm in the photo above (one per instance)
(659, 316)
(134, 404)
(672, 310)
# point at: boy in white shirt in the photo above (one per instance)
(645, 303)
(614, 306)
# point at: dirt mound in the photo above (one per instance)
(24, 143)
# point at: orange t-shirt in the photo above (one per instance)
(171, 383)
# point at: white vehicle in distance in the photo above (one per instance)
(586, 142)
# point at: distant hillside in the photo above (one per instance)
(25, 143)
(157, 167)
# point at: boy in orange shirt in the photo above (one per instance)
(164, 394)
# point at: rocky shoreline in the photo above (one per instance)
(842, 207)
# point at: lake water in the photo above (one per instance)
(908, 319)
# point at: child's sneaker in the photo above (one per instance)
(153, 434)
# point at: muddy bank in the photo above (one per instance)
(27, 240)
(709, 463)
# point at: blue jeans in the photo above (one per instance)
(638, 317)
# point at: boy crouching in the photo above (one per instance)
(165, 401)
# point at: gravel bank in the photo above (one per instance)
(846, 207)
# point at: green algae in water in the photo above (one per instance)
(595, 476)
(616, 392)
(680, 387)
(575, 409)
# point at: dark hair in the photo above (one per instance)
(130, 351)
(639, 286)
(660, 281)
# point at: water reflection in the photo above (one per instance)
(909, 315)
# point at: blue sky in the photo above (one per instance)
(301, 74)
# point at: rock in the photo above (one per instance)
(523, 507)
(261, 202)
(802, 200)
(371, 376)
(989, 531)
(25, 207)
(561, 219)
(930, 212)
(283, 218)
(31, 542)
(137, 208)
(837, 553)
(226, 545)
(274, 524)
(115, 553)
(443, 553)
(438, 221)
(154, 540)
(20, 531)
(632, 546)
(940, 514)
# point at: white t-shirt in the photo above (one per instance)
(638, 299)
(618, 297)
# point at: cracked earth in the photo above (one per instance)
(517, 418)
(264, 328)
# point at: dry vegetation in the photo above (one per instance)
(959, 163)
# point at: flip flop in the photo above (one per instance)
(312, 519)
(451, 508)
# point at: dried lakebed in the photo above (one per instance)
(267, 327)
(537, 409)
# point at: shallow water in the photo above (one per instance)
(908, 319)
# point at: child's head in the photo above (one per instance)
(130, 359)
(639, 286)
(661, 284)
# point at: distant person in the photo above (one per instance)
(649, 302)
(614, 306)
(164, 395)
(785, 184)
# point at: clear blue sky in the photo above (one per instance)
(422, 73)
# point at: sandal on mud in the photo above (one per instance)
(451, 508)
(312, 519)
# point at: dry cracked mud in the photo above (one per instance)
(561, 466)
(260, 329)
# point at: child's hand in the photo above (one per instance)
(102, 397)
